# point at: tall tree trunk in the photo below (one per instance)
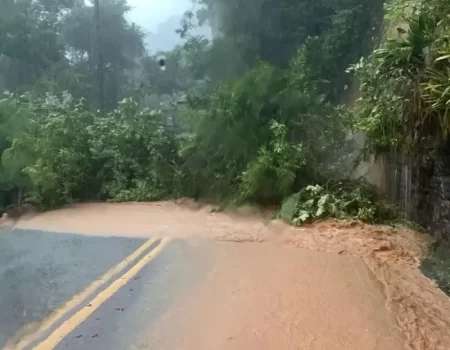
(100, 72)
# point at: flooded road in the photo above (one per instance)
(266, 297)
(247, 282)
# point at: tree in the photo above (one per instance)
(100, 72)
(30, 40)
(121, 46)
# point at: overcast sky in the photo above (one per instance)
(159, 19)
(149, 13)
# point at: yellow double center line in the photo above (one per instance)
(71, 323)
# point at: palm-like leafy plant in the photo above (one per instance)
(410, 76)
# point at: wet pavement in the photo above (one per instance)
(124, 321)
(41, 270)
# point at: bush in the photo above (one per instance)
(70, 154)
(342, 200)
(263, 135)
(136, 154)
(53, 153)
(271, 176)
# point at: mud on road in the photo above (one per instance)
(401, 305)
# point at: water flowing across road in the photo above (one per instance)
(256, 283)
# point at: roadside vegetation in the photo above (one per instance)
(249, 116)
(344, 199)
(256, 114)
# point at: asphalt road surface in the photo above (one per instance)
(41, 271)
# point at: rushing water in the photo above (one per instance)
(261, 287)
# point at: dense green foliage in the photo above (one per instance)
(69, 153)
(337, 199)
(49, 46)
(251, 115)
(405, 94)
(229, 148)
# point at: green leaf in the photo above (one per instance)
(303, 215)
(289, 207)
(441, 58)
(322, 205)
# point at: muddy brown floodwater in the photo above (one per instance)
(331, 285)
